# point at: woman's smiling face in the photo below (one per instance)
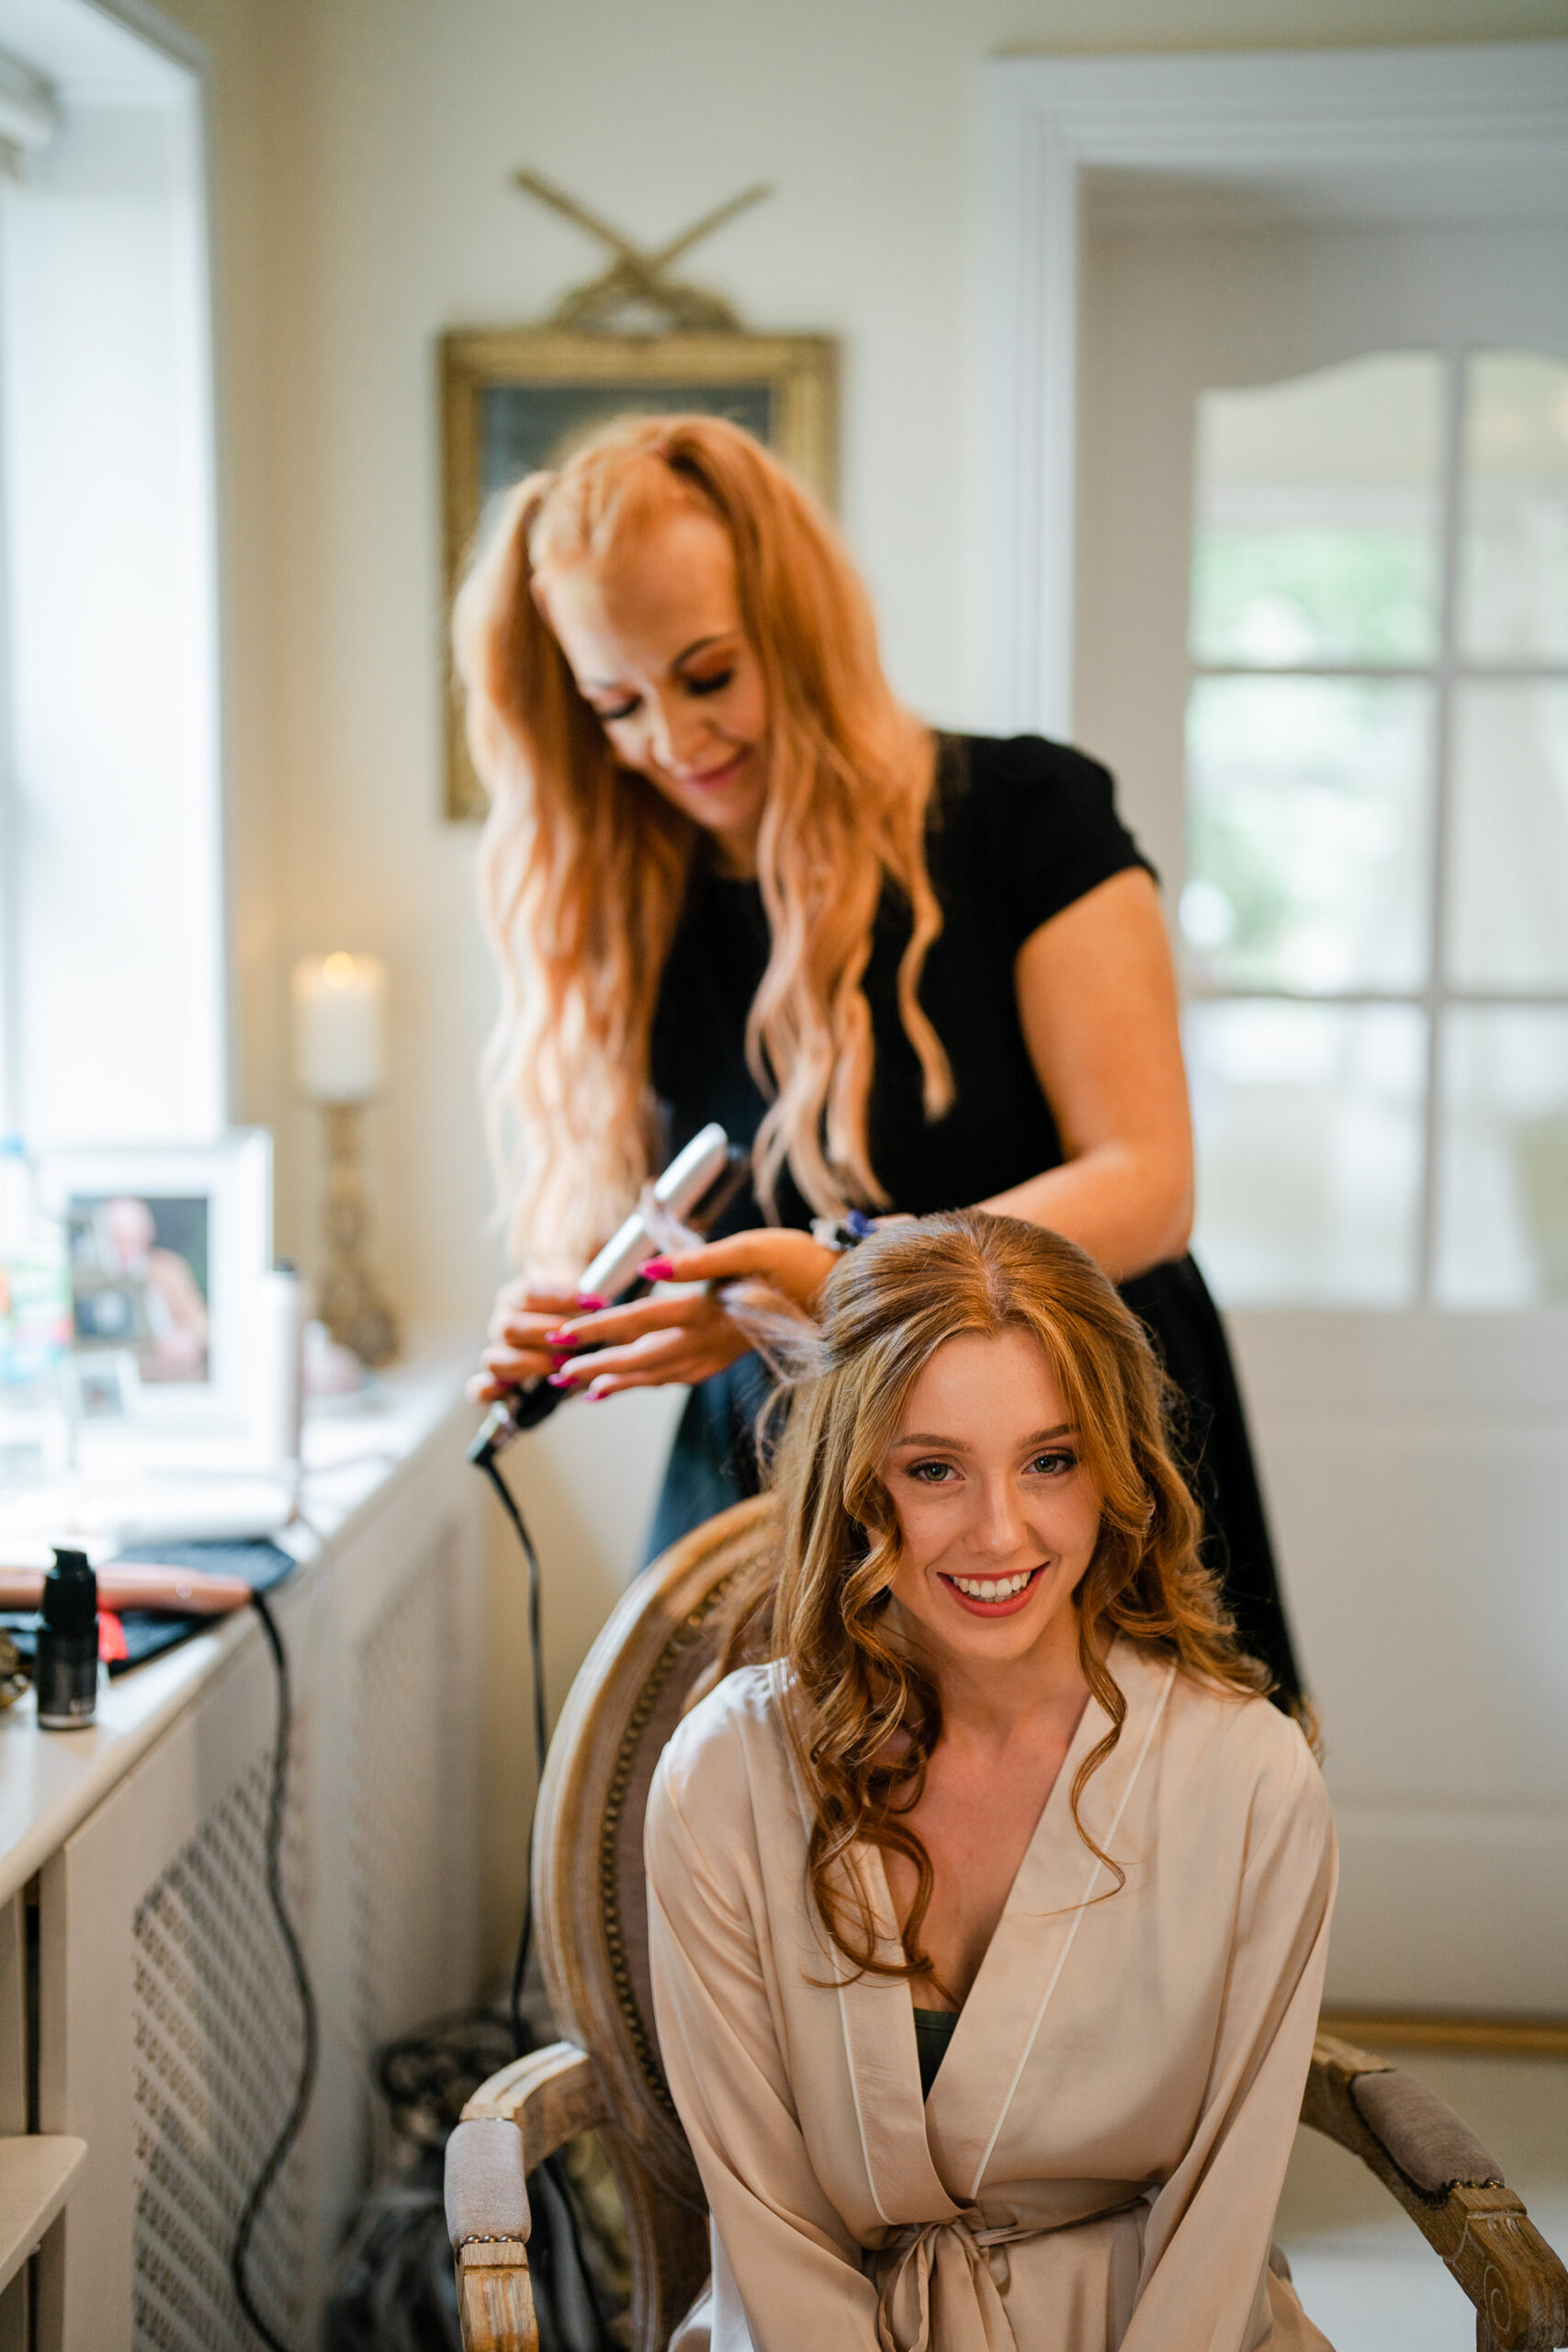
(999, 1519)
(655, 640)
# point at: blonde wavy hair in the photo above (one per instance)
(864, 1716)
(584, 864)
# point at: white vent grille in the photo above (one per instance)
(405, 1905)
(215, 2058)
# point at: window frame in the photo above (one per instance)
(1446, 674)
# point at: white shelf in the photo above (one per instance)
(37, 2176)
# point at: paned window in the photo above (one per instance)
(112, 952)
(1374, 917)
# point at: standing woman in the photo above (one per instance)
(728, 877)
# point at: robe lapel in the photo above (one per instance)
(879, 2041)
(884, 2065)
(1032, 1945)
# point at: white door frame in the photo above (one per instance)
(1415, 1465)
(1489, 116)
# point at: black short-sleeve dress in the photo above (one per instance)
(1018, 830)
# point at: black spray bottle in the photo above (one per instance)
(66, 1674)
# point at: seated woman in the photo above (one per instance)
(989, 1918)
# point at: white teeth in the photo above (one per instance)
(993, 1589)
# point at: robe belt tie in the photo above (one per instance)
(948, 2257)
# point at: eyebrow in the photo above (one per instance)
(955, 1445)
(698, 645)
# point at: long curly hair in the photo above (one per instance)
(585, 866)
(864, 1716)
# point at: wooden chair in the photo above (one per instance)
(592, 1915)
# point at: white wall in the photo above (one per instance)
(365, 155)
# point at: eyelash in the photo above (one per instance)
(1061, 1464)
(714, 686)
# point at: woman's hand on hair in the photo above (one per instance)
(788, 1261)
(679, 1337)
(519, 1328)
(684, 1335)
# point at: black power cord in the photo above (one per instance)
(521, 2042)
(239, 2254)
(458, 2042)
(392, 2287)
(573, 2308)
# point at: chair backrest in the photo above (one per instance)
(590, 1896)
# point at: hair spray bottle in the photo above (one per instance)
(66, 1673)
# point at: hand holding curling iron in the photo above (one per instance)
(547, 1344)
(689, 1336)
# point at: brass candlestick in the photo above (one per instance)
(350, 1304)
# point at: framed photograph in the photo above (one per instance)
(168, 1245)
(514, 400)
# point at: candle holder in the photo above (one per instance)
(348, 1301)
(339, 1060)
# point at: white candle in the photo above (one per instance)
(339, 1027)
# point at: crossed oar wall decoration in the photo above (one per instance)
(636, 277)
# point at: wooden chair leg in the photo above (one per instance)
(495, 2300)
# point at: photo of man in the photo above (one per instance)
(139, 1282)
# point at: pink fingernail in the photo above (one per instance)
(558, 1340)
(590, 1304)
(596, 1396)
(657, 1270)
(562, 1379)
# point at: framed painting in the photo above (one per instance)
(514, 400)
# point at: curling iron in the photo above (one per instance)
(138, 1583)
(695, 1190)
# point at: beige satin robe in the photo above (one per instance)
(1102, 2152)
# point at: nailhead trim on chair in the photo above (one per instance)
(491, 2237)
(614, 1939)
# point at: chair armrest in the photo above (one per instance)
(551, 2096)
(513, 2123)
(1451, 2187)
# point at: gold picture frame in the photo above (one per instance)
(517, 398)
